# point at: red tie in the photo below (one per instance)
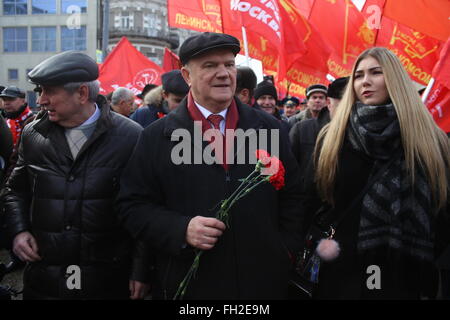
(215, 120)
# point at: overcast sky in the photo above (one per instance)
(359, 3)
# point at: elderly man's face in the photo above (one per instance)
(12, 104)
(63, 107)
(126, 106)
(212, 78)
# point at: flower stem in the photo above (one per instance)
(187, 279)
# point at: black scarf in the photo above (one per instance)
(394, 212)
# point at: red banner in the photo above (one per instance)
(430, 17)
(417, 52)
(273, 28)
(441, 71)
(126, 67)
(198, 15)
(298, 78)
(438, 101)
(171, 61)
(347, 33)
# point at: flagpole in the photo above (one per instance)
(105, 35)
(244, 37)
(428, 90)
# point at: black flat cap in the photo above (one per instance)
(173, 82)
(204, 42)
(316, 88)
(12, 92)
(69, 66)
(146, 89)
(336, 88)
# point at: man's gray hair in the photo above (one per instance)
(93, 86)
(121, 94)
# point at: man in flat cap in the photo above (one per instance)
(290, 105)
(170, 204)
(160, 101)
(59, 198)
(303, 135)
(17, 115)
(316, 100)
(16, 110)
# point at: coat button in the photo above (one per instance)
(68, 228)
(71, 178)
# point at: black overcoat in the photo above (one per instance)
(158, 199)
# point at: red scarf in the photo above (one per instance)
(230, 123)
(16, 125)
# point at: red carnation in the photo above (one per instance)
(273, 167)
(161, 115)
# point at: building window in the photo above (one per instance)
(127, 20)
(73, 39)
(14, 7)
(15, 39)
(43, 39)
(13, 74)
(73, 6)
(32, 100)
(43, 7)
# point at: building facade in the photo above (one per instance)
(33, 30)
(145, 24)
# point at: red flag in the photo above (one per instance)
(171, 61)
(438, 100)
(199, 15)
(269, 29)
(126, 67)
(347, 33)
(417, 51)
(441, 71)
(430, 17)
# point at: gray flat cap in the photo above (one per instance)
(69, 66)
(12, 92)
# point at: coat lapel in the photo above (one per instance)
(180, 119)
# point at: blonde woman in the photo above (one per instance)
(389, 239)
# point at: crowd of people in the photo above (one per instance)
(90, 181)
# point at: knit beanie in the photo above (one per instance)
(265, 88)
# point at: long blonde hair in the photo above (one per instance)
(424, 144)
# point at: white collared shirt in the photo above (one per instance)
(206, 113)
(93, 118)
